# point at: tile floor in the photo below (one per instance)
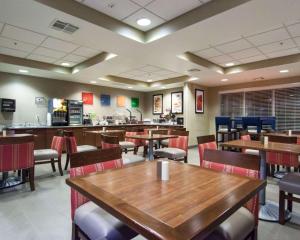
(45, 213)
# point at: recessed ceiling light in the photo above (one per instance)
(143, 22)
(284, 71)
(129, 87)
(23, 71)
(65, 64)
(93, 82)
(103, 79)
(193, 78)
(224, 80)
(75, 71)
(163, 87)
(149, 80)
(229, 64)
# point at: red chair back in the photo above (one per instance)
(16, 153)
(90, 162)
(206, 142)
(181, 141)
(108, 141)
(57, 144)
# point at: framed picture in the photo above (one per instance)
(87, 98)
(121, 101)
(105, 100)
(177, 102)
(199, 101)
(135, 102)
(157, 104)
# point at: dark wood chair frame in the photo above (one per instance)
(206, 139)
(88, 158)
(238, 160)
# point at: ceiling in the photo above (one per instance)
(129, 11)
(249, 32)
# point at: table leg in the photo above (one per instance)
(269, 211)
(150, 150)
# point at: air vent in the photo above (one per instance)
(63, 26)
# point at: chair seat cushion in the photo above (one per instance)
(129, 158)
(238, 226)
(126, 144)
(165, 142)
(290, 183)
(97, 224)
(252, 152)
(172, 153)
(86, 148)
(45, 154)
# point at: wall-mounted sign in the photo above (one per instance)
(135, 102)
(121, 101)
(157, 104)
(199, 101)
(87, 98)
(177, 102)
(105, 100)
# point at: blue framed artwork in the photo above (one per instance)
(105, 100)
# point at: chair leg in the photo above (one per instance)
(59, 166)
(135, 150)
(53, 165)
(290, 202)
(288, 169)
(253, 235)
(185, 159)
(268, 170)
(145, 151)
(296, 169)
(67, 161)
(281, 207)
(272, 169)
(31, 178)
(75, 235)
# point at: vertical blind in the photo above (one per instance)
(283, 103)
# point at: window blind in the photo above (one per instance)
(258, 103)
(232, 104)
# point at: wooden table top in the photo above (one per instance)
(153, 137)
(271, 147)
(281, 134)
(17, 135)
(16, 138)
(194, 200)
(101, 132)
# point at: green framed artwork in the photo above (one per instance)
(135, 102)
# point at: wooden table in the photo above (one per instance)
(268, 210)
(280, 134)
(158, 137)
(193, 202)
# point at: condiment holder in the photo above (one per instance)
(290, 132)
(104, 129)
(4, 133)
(162, 170)
(266, 140)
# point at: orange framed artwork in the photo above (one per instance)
(199, 101)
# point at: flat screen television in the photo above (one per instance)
(8, 105)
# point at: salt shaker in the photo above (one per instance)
(163, 170)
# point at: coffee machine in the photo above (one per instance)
(58, 108)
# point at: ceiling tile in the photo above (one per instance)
(221, 59)
(169, 9)
(297, 40)
(278, 46)
(245, 53)
(253, 59)
(115, 9)
(269, 37)
(283, 53)
(14, 44)
(150, 68)
(163, 72)
(294, 30)
(142, 2)
(12, 52)
(62, 61)
(136, 72)
(48, 52)
(74, 58)
(41, 58)
(59, 45)
(234, 46)
(86, 52)
(155, 20)
(22, 35)
(208, 53)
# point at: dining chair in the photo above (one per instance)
(247, 137)
(112, 142)
(177, 148)
(16, 153)
(206, 142)
(90, 220)
(72, 147)
(286, 160)
(244, 222)
(52, 154)
(137, 142)
(165, 142)
(156, 143)
(289, 186)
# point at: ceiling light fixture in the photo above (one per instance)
(75, 71)
(129, 87)
(93, 82)
(224, 80)
(163, 87)
(284, 71)
(229, 64)
(193, 78)
(65, 64)
(103, 79)
(23, 71)
(143, 22)
(149, 80)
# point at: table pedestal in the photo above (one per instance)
(150, 150)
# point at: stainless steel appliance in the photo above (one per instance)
(180, 121)
(58, 108)
(8, 105)
(75, 112)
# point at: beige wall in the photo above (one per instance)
(25, 88)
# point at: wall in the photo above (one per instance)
(214, 96)
(25, 88)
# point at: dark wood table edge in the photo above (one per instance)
(160, 137)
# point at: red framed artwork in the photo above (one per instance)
(87, 98)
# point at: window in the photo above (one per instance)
(287, 108)
(232, 104)
(258, 103)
